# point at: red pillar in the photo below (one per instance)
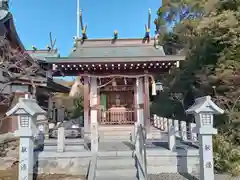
(147, 104)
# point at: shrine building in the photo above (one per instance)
(119, 74)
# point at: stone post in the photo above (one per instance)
(93, 114)
(176, 128)
(171, 136)
(193, 132)
(155, 120)
(27, 111)
(61, 140)
(183, 125)
(203, 110)
(165, 124)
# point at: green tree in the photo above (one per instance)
(211, 42)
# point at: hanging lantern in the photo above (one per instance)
(154, 93)
(114, 83)
(125, 81)
(159, 86)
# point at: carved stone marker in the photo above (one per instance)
(27, 111)
(203, 110)
(61, 140)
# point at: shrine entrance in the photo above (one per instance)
(117, 103)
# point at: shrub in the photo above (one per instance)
(226, 155)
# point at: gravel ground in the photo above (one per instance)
(12, 174)
(176, 176)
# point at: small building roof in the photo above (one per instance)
(123, 50)
(29, 106)
(204, 104)
(43, 54)
(113, 51)
(44, 82)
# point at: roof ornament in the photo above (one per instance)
(52, 43)
(147, 28)
(4, 5)
(83, 27)
(34, 48)
(115, 36)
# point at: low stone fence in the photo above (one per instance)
(185, 131)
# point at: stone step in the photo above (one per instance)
(67, 154)
(68, 148)
(171, 160)
(110, 133)
(115, 162)
(102, 138)
(115, 128)
(120, 153)
(120, 173)
(67, 142)
(172, 169)
(162, 169)
(71, 145)
(117, 178)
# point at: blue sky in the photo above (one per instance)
(34, 19)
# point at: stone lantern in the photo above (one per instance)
(203, 110)
(27, 111)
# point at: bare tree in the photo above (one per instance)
(15, 64)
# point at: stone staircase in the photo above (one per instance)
(115, 159)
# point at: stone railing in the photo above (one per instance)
(91, 175)
(185, 131)
(140, 151)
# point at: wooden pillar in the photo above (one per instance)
(135, 101)
(98, 103)
(147, 104)
(86, 106)
(140, 101)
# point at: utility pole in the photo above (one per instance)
(78, 18)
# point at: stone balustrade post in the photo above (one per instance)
(193, 132)
(183, 125)
(171, 136)
(176, 128)
(165, 124)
